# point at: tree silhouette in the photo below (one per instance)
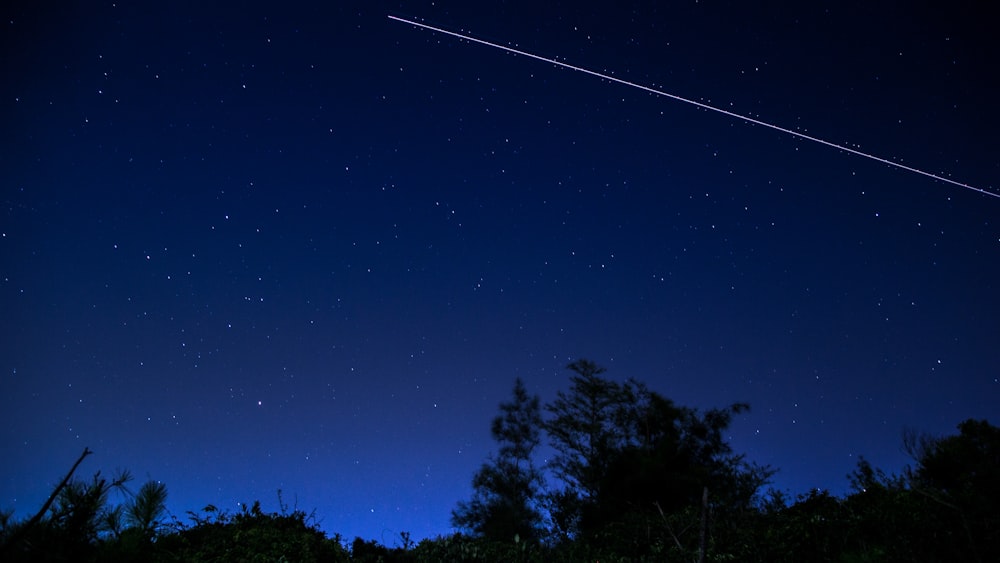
(961, 475)
(507, 488)
(76, 518)
(147, 508)
(584, 428)
(628, 454)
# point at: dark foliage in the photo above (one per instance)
(959, 476)
(629, 457)
(250, 535)
(507, 489)
(643, 480)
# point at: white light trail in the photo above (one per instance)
(694, 103)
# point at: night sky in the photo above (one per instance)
(271, 245)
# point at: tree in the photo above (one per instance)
(76, 516)
(13, 535)
(631, 459)
(505, 502)
(146, 509)
(942, 509)
(587, 427)
(584, 429)
(961, 476)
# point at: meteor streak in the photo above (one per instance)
(694, 103)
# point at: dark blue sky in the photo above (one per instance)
(267, 246)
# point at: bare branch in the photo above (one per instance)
(16, 537)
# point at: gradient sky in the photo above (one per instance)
(267, 246)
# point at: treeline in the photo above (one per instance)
(635, 477)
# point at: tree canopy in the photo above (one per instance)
(635, 477)
(507, 488)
